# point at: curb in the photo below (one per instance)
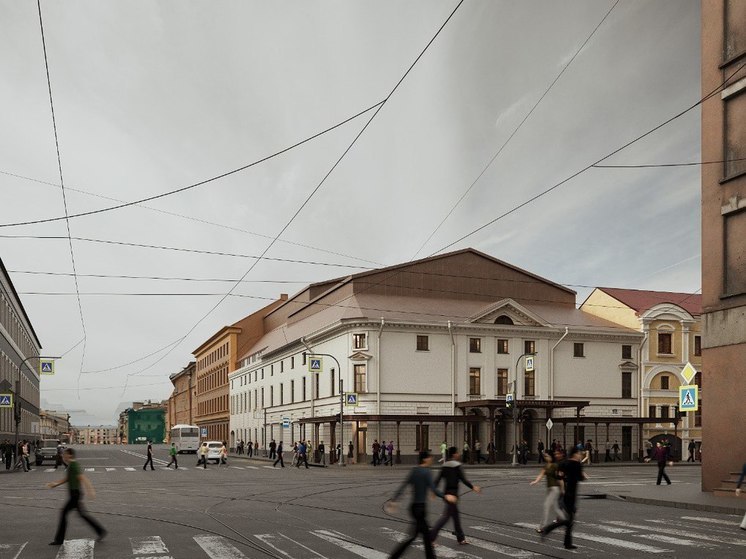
(687, 506)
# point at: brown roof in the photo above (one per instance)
(640, 300)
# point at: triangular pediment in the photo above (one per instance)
(519, 314)
(360, 356)
(627, 365)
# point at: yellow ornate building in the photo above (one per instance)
(672, 328)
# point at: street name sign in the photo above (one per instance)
(46, 366)
(315, 364)
(351, 398)
(688, 398)
(6, 400)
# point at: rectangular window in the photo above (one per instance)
(502, 382)
(361, 385)
(529, 346)
(502, 346)
(359, 341)
(529, 383)
(303, 356)
(271, 396)
(698, 346)
(626, 352)
(698, 415)
(292, 391)
(664, 412)
(475, 345)
(664, 382)
(423, 343)
(282, 395)
(475, 383)
(422, 439)
(304, 389)
(651, 411)
(292, 361)
(262, 397)
(578, 349)
(664, 343)
(626, 385)
(698, 380)
(282, 366)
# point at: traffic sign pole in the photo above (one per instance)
(17, 394)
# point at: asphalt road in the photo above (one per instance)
(251, 510)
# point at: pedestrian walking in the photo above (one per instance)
(272, 449)
(588, 449)
(279, 455)
(27, 454)
(58, 456)
(376, 449)
(552, 508)
(540, 451)
(21, 462)
(302, 455)
(607, 446)
(443, 452)
(453, 475)
(172, 452)
(322, 453)
(75, 480)
(390, 451)
(150, 457)
(350, 450)
(660, 455)
(224, 454)
(8, 454)
(738, 492)
(203, 450)
(422, 483)
(294, 459)
(250, 449)
(466, 451)
(478, 450)
(692, 447)
(570, 474)
(615, 448)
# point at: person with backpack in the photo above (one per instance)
(453, 475)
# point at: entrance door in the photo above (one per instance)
(362, 445)
(501, 439)
(626, 443)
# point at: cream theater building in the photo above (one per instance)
(432, 348)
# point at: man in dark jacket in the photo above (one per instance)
(453, 475)
(422, 483)
(570, 475)
(660, 455)
(272, 449)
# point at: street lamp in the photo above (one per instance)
(515, 409)
(341, 405)
(17, 394)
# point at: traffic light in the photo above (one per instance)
(339, 418)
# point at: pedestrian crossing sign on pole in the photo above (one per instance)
(688, 398)
(6, 400)
(46, 366)
(529, 363)
(315, 364)
(351, 398)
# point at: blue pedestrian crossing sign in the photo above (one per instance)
(286, 422)
(315, 364)
(351, 398)
(46, 366)
(6, 400)
(688, 398)
(203, 432)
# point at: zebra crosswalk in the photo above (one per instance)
(93, 470)
(705, 536)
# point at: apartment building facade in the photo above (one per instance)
(182, 404)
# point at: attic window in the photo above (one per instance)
(504, 319)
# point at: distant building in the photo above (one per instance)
(96, 434)
(672, 328)
(55, 425)
(19, 363)
(182, 404)
(723, 237)
(215, 360)
(143, 421)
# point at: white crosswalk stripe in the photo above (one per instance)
(217, 547)
(288, 547)
(684, 533)
(76, 549)
(129, 469)
(49, 470)
(11, 551)
(90, 469)
(149, 546)
(492, 546)
(111, 469)
(616, 542)
(698, 519)
(340, 540)
(443, 551)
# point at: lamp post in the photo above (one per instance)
(341, 405)
(17, 394)
(515, 409)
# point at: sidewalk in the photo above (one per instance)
(681, 496)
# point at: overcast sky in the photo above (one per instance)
(153, 96)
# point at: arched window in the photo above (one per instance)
(504, 319)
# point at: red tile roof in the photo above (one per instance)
(641, 301)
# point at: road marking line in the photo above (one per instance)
(76, 549)
(148, 545)
(251, 467)
(608, 541)
(503, 531)
(269, 467)
(110, 469)
(676, 541)
(90, 469)
(359, 550)
(684, 533)
(443, 551)
(491, 546)
(297, 554)
(217, 547)
(237, 467)
(611, 529)
(710, 520)
(49, 470)
(129, 469)
(7, 549)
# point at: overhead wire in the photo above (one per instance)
(655, 165)
(62, 186)
(515, 131)
(197, 184)
(191, 218)
(315, 189)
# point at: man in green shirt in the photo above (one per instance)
(74, 480)
(173, 452)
